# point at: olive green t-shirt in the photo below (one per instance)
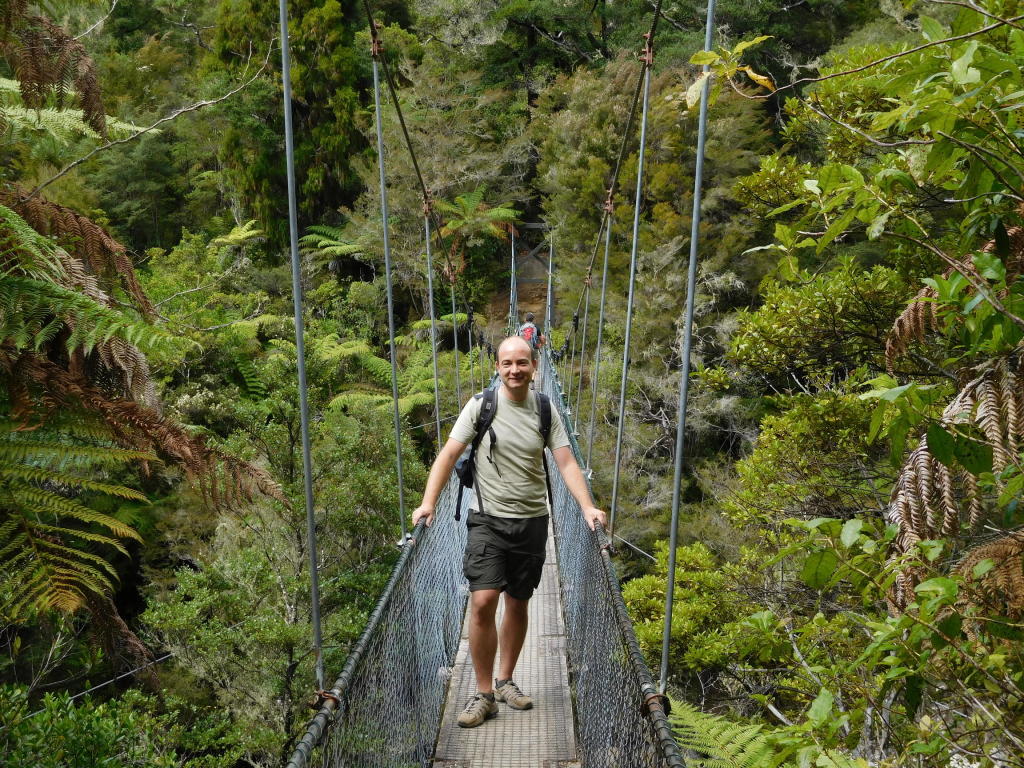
(511, 477)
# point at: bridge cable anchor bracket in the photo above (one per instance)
(321, 697)
(660, 698)
(376, 44)
(647, 55)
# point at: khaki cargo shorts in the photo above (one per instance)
(505, 553)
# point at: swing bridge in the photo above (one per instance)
(396, 701)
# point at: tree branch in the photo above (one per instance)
(892, 57)
(978, 152)
(853, 129)
(964, 270)
(168, 118)
(977, 9)
(103, 18)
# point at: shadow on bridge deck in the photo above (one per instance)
(542, 737)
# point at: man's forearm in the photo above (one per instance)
(573, 477)
(438, 477)
(577, 485)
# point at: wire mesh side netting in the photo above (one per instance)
(391, 692)
(621, 722)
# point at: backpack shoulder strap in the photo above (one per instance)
(484, 419)
(544, 413)
(486, 416)
(544, 408)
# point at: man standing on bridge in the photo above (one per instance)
(505, 545)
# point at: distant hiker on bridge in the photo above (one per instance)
(507, 537)
(531, 332)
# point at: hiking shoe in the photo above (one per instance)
(478, 709)
(509, 692)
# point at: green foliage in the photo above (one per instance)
(811, 460)
(723, 744)
(34, 312)
(706, 612)
(822, 328)
(124, 732)
(48, 528)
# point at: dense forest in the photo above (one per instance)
(850, 589)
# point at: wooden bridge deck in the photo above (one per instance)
(542, 737)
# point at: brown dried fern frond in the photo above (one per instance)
(921, 315)
(11, 14)
(106, 257)
(228, 481)
(930, 500)
(108, 630)
(47, 60)
(1000, 590)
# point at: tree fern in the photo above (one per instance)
(239, 236)
(33, 312)
(48, 531)
(332, 350)
(327, 245)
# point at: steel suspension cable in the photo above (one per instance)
(583, 358)
(623, 146)
(547, 305)
(684, 375)
(469, 332)
(513, 299)
(455, 339)
(396, 416)
(300, 347)
(393, 90)
(572, 364)
(632, 290)
(597, 346)
(433, 323)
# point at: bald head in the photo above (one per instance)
(516, 345)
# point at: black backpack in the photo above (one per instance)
(465, 467)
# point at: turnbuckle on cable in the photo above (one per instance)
(647, 56)
(376, 44)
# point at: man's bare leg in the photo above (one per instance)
(483, 636)
(512, 635)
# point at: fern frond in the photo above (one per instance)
(28, 307)
(24, 450)
(47, 60)
(379, 370)
(25, 251)
(240, 235)
(921, 315)
(29, 497)
(409, 403)
(254, 386)
(82, 237)
(723, 743)
(347, 400)
(930, 500)
(46, 475)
